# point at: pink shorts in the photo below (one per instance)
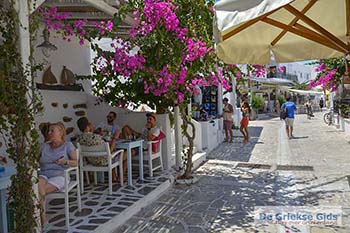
(227, 125)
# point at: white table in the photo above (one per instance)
(5, 182)
(128, 145)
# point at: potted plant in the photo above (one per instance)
(257, 104)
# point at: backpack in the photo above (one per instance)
(284, 112)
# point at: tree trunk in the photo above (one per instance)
(189, 153)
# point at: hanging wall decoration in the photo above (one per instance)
(49, 77)
(67, 77)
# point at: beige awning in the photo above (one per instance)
(306, 92)
(246, 31)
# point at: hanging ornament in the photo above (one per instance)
(67, 77)
(49, 77)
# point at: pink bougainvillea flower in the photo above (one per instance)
(281, 69)
(320, 68)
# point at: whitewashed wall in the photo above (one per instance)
(75, 57)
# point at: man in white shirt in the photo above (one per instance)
(149, 133)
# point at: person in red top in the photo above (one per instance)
(245, 109)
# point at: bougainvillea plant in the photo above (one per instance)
(330, 73)
(168, 54)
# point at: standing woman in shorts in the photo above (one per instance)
(56, 155)
(245, 109)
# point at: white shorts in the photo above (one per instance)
(289, 121)
(57, 181)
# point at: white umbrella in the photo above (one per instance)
(247, 30)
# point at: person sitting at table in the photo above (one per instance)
(203, 114)
(44, 129)
(149, 133)
(89, 138)
(109, 129)
(3, 160)
(55, 156)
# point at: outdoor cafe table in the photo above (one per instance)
(5, 182)
(128, 145)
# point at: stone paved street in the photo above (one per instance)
(311, 170)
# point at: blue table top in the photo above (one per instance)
(128, 143)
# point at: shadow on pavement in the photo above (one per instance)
(300, 137)
(235, 192)
(238, 151)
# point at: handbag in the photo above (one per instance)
(284, 112)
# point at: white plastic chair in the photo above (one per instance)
(100, 150)
(149, 156)
(71, 180)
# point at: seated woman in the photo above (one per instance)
(89, 138)
(203, 115)
(55, 156)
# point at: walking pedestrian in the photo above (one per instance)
(228, 120)
(321, 103)
(290, 107)
(309, 112)
(245, 109)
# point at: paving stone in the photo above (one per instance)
(87, 227)
(91, 203)
(84, 212)
(116, 209)
(189, 218)
(99, 221)
(124, 203)
(58, 217)
(193, 229)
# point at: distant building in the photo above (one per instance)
(296, 72)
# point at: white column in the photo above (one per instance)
(233, 101)
(331, 99)
(178, 138)
(21, 7)
(189, 109)
(23, 32)
(220, 97)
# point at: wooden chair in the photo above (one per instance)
(71, 178)
(114, 159)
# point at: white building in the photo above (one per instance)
(295, 71)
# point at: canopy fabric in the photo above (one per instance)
(274, 81)
(306, 92)
(246, 31)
